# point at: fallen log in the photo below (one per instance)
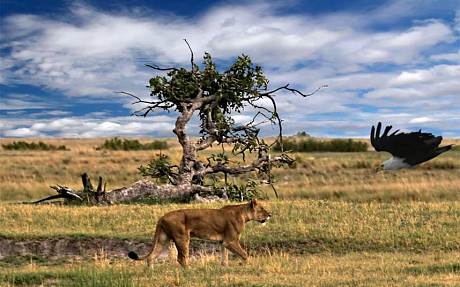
(140, 190)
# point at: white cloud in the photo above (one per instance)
(457, 20)
(100, 54)
(18, 104)
(22, 132)
(451, 57)
(92, 53)
(421, 120)
(85, 127)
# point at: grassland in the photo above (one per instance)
(27, 175)
(309, 241)
(337, 223)
(276, 269)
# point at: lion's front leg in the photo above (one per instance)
(235, 247)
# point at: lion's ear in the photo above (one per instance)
(253, 203)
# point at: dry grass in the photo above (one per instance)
(26, 175)
(339, 223)
(308, 243)
(312, 225)
(277, 269)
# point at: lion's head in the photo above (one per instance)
(258, 212)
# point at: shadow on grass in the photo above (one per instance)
(434, 269)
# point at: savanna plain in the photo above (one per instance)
(336, 222)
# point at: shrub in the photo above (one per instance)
(127, 144)
(160, 167)
(243, 192)
(22, 145)
(303, 134)
(315, 145)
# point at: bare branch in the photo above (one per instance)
(295, 91)
(191, 54)
(212, 138)
(131, 95)
(155, 67)
(165, 104)
(257, 164)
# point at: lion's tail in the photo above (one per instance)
(133, 255)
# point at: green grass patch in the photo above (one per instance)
(275, 269)
(314, 226)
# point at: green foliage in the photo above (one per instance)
(231, 86)
(315, 145)
(236, 192)
(22, 145)
(159, 167)
(127, 144)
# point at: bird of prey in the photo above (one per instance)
(407, 149)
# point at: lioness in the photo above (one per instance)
(224, 225)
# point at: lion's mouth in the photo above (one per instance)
(263, 221)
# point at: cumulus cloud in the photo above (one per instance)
(99, 52)
(457, 20)
(451, 57)
(421, 120)
(401, 72)
(22, 132)
(22, 102)
(86, 127)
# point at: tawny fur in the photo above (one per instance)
(224, 225)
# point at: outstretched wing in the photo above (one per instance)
(403, 145)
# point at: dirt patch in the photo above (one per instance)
(57, 249)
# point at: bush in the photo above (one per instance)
(244, 192)
(315, 145)
(160, 167)
(126, 144)
(22, 145)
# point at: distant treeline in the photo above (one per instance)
(313, 145)
(22, 145)
(127, 144)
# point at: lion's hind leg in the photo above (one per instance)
(182, 244)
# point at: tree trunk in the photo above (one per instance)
(188, 160)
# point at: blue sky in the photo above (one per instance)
(392, 61)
